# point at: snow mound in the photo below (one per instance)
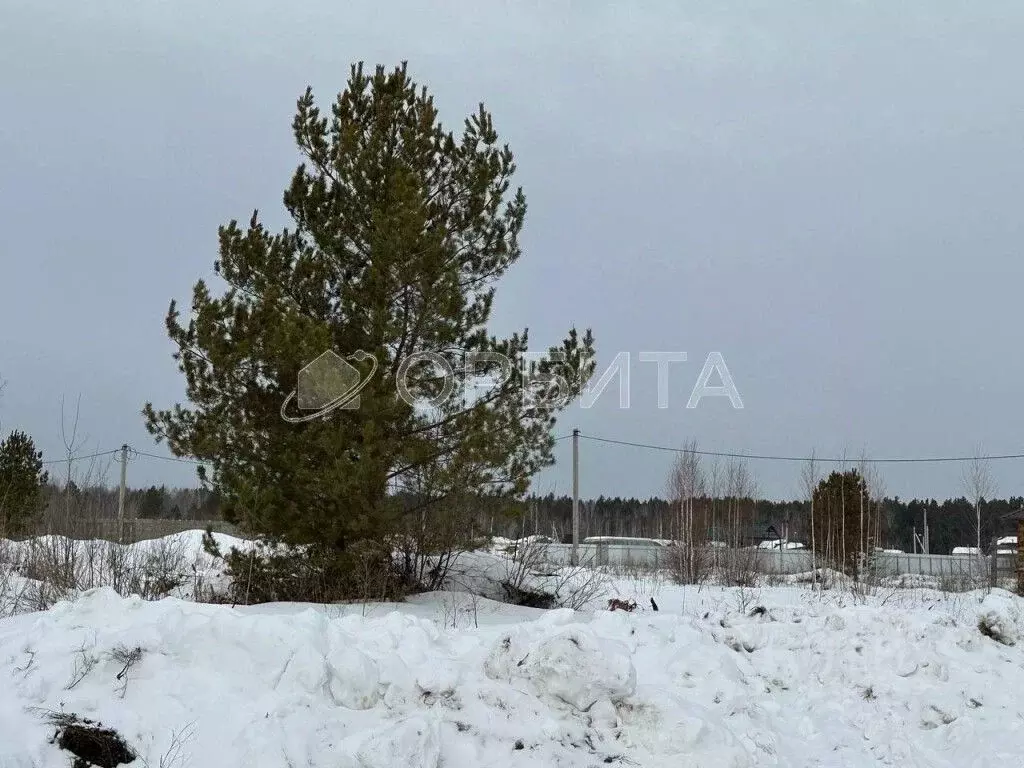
(354, 678)
(581, 669)
(999, 617)
(414, 742)
(571, 665)
(815, 679)
(302, 688)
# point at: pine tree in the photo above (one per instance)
(152, 502)
(838, 501)
(22, 480)
(401, 230)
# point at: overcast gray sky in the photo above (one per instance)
(829, 194)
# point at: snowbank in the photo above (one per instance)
(575, 666)
(1000, 617)
(718, 677)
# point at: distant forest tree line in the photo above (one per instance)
(735, 521)
(101, 502)
(744, 522)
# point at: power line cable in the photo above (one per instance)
(650, 447)
(803, 459)
(82, 458)
(166, 458)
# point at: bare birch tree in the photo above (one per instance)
(739, 486)
(715, 490)
(870, 509)
(686, 484)
(979, 485)
(809, 480)
(70, 438)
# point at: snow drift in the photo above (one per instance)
(803, 680)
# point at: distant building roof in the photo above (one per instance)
(781, 544)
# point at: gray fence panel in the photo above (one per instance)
(789, 561)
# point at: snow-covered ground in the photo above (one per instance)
(778, 676)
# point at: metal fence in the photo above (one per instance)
(907, 563)
(655, 557)
(996, 568)
(140, 529)
(999, 569)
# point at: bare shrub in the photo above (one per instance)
(48, 569)
(745, 597)
(959, 582)
(431, 536)
(738, 567)
(86, 660)
(578, 587)
(165, 566)
(644, 580)
(457, 604)
(202, 591)
(17, 594)
(690, 564)
(370, 580)
(53, 560)
(128, 657)
(175, 756)
(527, 558)
(450, 610)
(474, 609)
(522, 569)
(530, 580)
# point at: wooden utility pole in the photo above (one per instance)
(120, 498)
(926, 542)
(575, 497)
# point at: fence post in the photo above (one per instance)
(1020, 557)
(575, 497)
(121, 493)
(994, 570)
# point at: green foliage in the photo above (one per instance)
(152, 502)
(843, 531)
(401, 230)
(22, 481)
(265, 574)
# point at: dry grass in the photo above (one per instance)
(37, 573)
